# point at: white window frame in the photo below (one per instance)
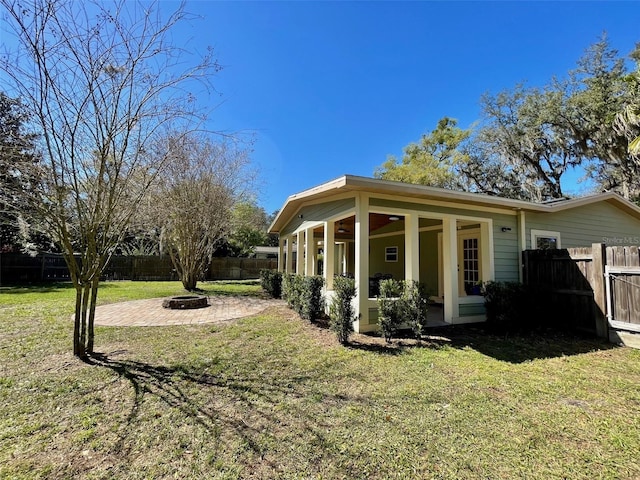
(535, 234)
(391, 254)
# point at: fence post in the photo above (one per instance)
(599, 252)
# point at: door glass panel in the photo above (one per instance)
(471, 264)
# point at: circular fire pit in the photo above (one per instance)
(184, 302)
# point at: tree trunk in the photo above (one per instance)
(92, 314)
(189, 281)
(78, 346)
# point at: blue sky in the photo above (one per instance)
(334, 87)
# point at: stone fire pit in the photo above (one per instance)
(184, 302)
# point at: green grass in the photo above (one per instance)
(272, 396)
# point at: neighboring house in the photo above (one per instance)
(261, 252)
(451, 241)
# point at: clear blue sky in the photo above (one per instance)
(334, 87)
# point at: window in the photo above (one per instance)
(545, 240)
(391, 254)
(471, 263)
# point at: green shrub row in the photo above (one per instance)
(304, 294)
(402, 303)
(341, 311)
(271, 282)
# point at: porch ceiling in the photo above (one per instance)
(345, 228)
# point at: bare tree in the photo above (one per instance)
(101, 83)
(193, 202)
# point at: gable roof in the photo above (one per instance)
(353, 183)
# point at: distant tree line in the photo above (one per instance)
(529, 137)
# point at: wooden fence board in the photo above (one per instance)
(634, 298)
(633, 259)
(610, 256)
(620, 287)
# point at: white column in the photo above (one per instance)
(300, 253)
(310, 252)
(362, 260)
(289, 265)
(281, 254)
(411, 248)
(329, 254)
(450, 269)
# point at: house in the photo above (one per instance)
(449, 240)
(264, 252)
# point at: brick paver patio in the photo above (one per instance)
(150, 313)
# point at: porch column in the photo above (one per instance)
(310, 252)
(289, 265)
(411, 248)
(300, 253)
(362, 260)
(281, 254)
(450, 269)
(329, 254)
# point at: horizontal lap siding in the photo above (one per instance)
(377, 257)
(318, 213)
(473, 309)
(505, 249)
(584, 225)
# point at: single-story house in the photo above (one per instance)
(264, 252)
(448, 240)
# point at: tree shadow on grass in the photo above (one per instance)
(508, 347)
(245, 407)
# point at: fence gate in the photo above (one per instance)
(623, 297)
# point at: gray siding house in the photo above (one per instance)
(451, 241)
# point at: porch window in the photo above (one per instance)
(391, 254)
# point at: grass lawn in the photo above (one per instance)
(273, 396)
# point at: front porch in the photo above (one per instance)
(373, 238)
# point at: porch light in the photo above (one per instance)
(394, 218)
(341, 229)
(506, 229)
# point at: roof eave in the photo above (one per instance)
(358, 183)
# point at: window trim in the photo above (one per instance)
(391, 254)
(544, 234)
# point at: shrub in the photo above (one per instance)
(389, 307)
(310, 297)
(341, 312)
(289, 289)
(414, 302)
(303, 294)
(508, 305)
(271, 282)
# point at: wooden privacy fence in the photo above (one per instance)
(593, 288)
(19, 268)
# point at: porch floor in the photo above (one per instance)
(435, 316)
